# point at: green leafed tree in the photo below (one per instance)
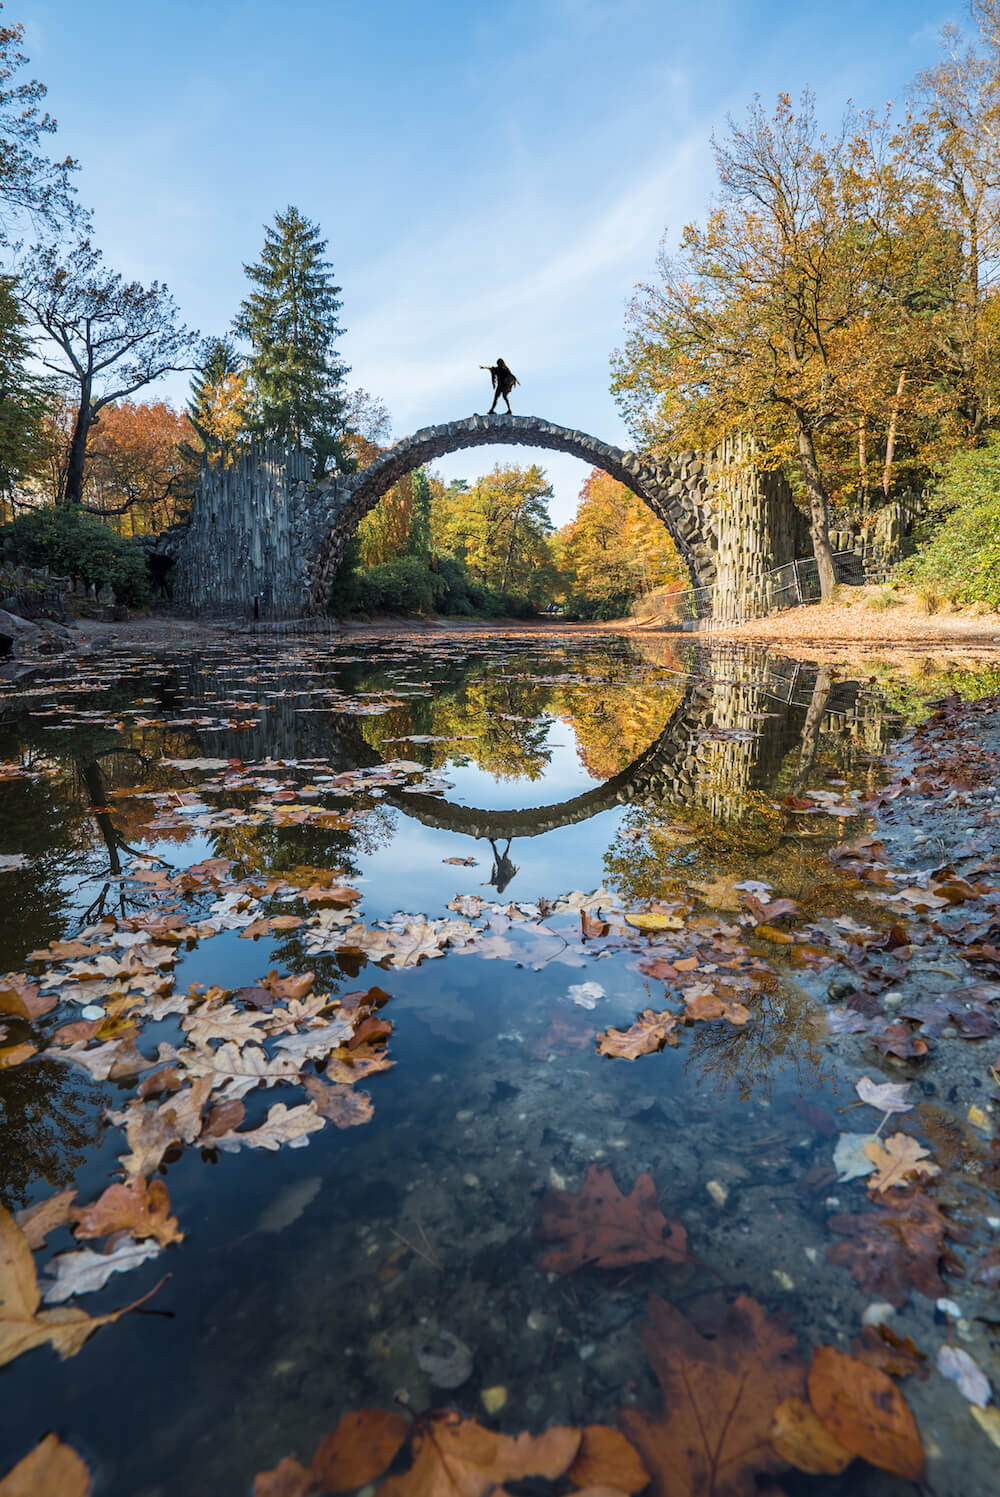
(24, 442)
(290, 322)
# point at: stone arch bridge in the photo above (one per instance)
(265, 541)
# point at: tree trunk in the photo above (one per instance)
(76, 466)
(863, 491)
(890, 440)
(819, 524)
(809, 742)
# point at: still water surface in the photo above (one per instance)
(317, 1279)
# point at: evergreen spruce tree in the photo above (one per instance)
(290, 321)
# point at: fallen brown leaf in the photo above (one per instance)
(141, 1210)
(454, 1455)
(599, 1226)
(897, 1247)
(36, 1222)
(607, 1459)
(358, 1450)
(23, 1325)
(803, 1440)
(720, 1396)
(52, 1469)
(649, 1033)
(900, 1158)
(865, 1411)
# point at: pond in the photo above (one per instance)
(334, 955)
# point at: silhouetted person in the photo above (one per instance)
(503, 868)
(504, 381)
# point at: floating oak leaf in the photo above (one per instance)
(283, 1125)
(865, 1411)
(141, 1210)
(898, 1160)
(22, 1324)
(720, 1396)
(36, 1222)
(649, 1033)
(344, 1106)
(84, 1272)
(599, 1226)
(52, 1469)
(21, 998)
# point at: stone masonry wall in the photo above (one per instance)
(266, 542)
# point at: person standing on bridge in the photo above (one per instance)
(504, 381)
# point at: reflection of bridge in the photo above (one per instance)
(668, 767)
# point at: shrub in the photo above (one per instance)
(931, 599)
(72, 543)
(958, 557)
(881, 599)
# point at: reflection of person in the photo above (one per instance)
(504, 381)
(503, 868)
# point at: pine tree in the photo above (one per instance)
(290, 321)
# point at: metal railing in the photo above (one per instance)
(787, 586)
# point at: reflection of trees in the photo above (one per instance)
(781, 1036)
(50, 1117)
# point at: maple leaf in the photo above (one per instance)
(649, 1033)
(141, 1210)
(600, 1226)
(22, 1324)
(85, 1271)
(283, 1125)
(455, 1455)
(52, 1469)
(720, 1396)
(895, 1247)
(865, 1411)
(900, 1158)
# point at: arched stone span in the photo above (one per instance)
(669, 765)
(678, 491)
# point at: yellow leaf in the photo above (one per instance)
(649, 920)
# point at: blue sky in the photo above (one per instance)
(492, 178)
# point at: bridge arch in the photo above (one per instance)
(678, 491)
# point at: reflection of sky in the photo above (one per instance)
(410, 873)
(562, 778)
